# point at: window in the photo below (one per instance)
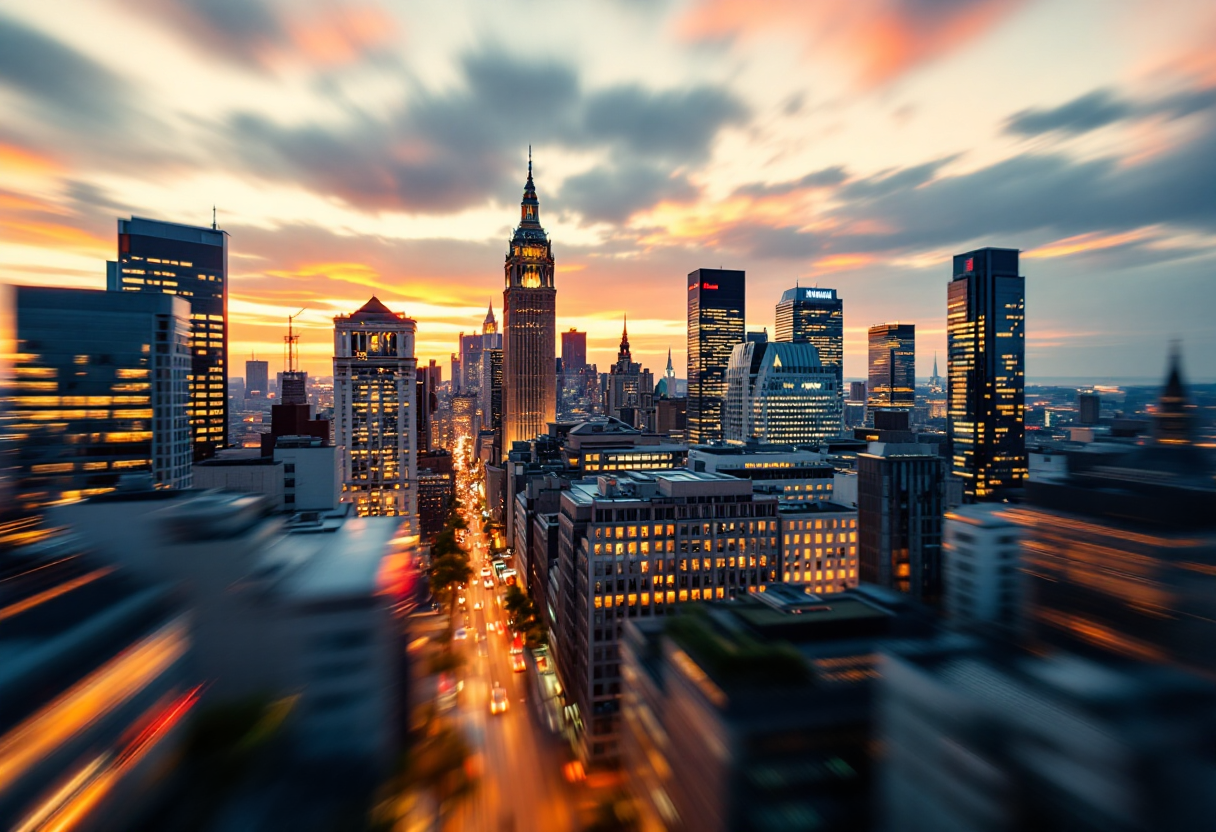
(289, 468)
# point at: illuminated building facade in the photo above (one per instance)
(100, 391)
(375, 381)
(900, 501)
(634, 546)
(795, 475)
(818, 546)
(716, 307)
(986, 358)
(1120, 550)
(779, 393)
(491, 393)
(630, 393)
(529, 329)
(892, 367)
(191, 262)
(815, 316)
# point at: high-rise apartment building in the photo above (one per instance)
(375, 379)
(716, 307)
(986, 355)
(257, 379)
(892, 366)
(779, 393)
(900, 500)
(529, 374)
(815, 316)
(100, 392)
(192, 262)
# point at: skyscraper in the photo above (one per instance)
(192, 262)
(815, 316)
(257, 379)
(375, 380)
(716, 305)
(529, 376)
(630, 393)
(574, 350)
(778, 393)
(892, 366)
(986, 355)
(101, 392)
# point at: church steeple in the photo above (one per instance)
(489, 326)
(624, 354)
(670, 372)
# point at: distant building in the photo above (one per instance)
(779, 393)
(981, 568)
(191, 262)
(101, 392)
(98, 687)
(1089, 408)
(900, 502)
(529, 375)
(375, 375)
(986, 354)
(818, 546)
(757, 337)
(716, 307)
(574, 350)
(815, 316)
(981, 739)
(793, 474)
(436, 488)
(633, 546)
(892, 366)
(257, 379)
(758, 714)
(630, 393)
(1120, 552)
(857, 391)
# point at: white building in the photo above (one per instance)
(301, 475)
(981, 566)
(818, 546)
(795, 475)
(280, 608)
(374, 410)
(779, 392)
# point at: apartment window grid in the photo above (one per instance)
(820, 553)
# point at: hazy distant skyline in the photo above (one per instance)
(371, 147)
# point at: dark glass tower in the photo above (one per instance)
(715, 325)
(191, 262)
(892, 367)
(986, 355)
(815, 316)
(529, 361)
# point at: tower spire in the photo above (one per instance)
(624, 354)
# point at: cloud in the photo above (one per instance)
(444, 151)
(883, 39)
(1104, 107)
(59, 82)
(613, 194)
(825, 178)
(261, 35)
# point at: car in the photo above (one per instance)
(517, 645)
(460, 600)
(498, 699)
(485, 571)
(476, 605)
(518, 664)
(488, 583)
(461, 634)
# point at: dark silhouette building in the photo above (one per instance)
(986, 354)
(257, 379)
(716, 305)
(192, 262)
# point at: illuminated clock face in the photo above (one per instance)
(530, 280)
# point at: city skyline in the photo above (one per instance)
(747, 149)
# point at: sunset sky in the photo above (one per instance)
(366, 147)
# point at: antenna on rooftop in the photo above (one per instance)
(291, 350)
(213, 226)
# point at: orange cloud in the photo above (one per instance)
(18, 160)
(841, 263)
(1093, 241)
(883, 38)
(341, 35)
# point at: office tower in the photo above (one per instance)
(470, 363)
(892, 366)
(574, 350)
(375, 376)
(716, 301)
(986, 352)
(981, 568)
(857, 391)
(794, 475)
(815, 316)
(464, 416)
(491, 392)
(630, 393)
(818, 543)
(529, 369)
(257, 379)
(426, 401)
(779, 393)
(456, 374)
(191, 262)
(1120, 550)
(100, 391)
(684, 536)
(900, 500)
(982, 739)
(1089, 408)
